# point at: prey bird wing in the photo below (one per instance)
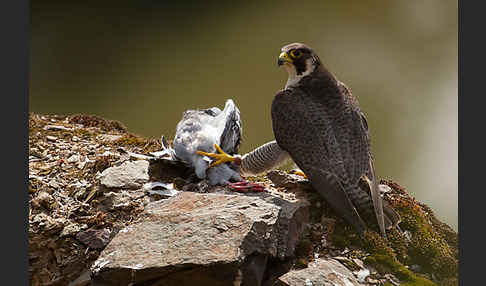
(231, 134)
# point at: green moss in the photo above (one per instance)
(387, 264)
(419, 281)
(376, 244)
(399, 245)
(344, 235)
(426, 248)
(351, 265)
(422, 244)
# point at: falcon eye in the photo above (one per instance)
(295, 54)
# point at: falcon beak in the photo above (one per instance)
(283, 58)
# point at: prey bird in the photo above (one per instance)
(202, 130)
(319, 124)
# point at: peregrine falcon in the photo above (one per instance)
(319, 124)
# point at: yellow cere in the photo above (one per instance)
(285, 57)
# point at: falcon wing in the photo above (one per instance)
(301, 127)
(364, 163)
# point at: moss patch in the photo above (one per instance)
(388, 264)
(422, 240)
(344, 235)
(426, 247)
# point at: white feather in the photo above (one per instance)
(294, 78)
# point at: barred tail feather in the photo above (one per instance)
(361, 199)
(363, 203)
(377, 200)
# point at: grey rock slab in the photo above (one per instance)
(211, 237)
(129, 175)
(321, 272)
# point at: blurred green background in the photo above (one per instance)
(145, 62)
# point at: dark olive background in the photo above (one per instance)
(145, 62)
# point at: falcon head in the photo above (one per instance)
(299, 60)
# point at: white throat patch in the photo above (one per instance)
(294, 78)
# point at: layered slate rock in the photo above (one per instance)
(207, 239)
(129, 175)
(321, 272)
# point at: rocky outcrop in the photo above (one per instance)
(197, 234)
(104, 212)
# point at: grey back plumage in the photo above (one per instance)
(320, 124)
(200, 130)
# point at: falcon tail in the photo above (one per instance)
(353, 203)
(377, 200)
(364, 204)
(361, 198)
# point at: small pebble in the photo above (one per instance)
(51, 138)
(74, 158)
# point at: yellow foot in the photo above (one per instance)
(297, 172)
(221, 156)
